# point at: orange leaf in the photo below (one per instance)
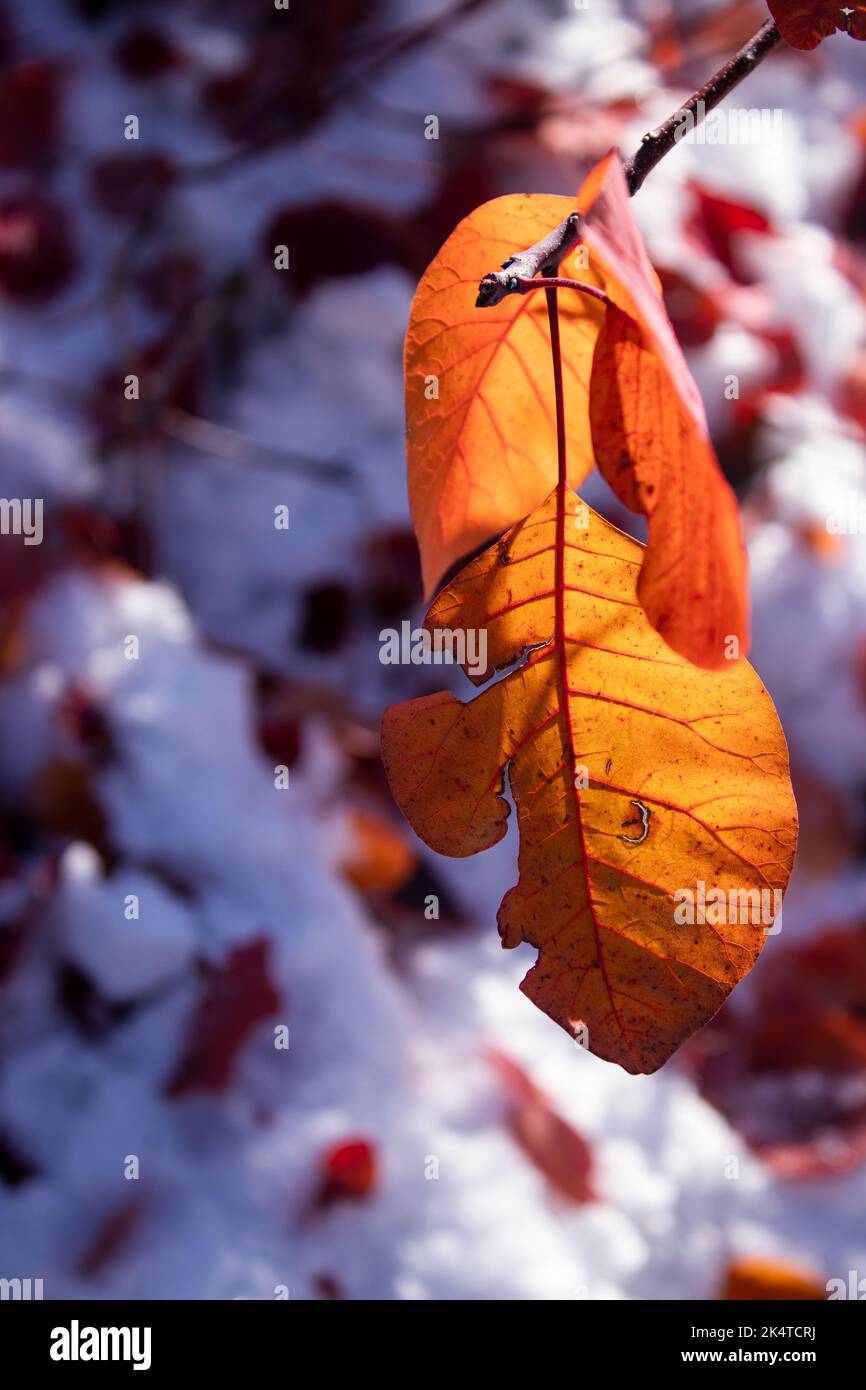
(652, 444)
(634, 774)
(380, 858)
(805, 23)
(770, 1280)
(482, 453)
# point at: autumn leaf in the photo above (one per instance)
(652, 444)
(349, 1171)
(789, 1074)
(378, 858)
(806, 23)
(481, 425)
(771, 1281)
(549, 1142)
(111, 1239)
(481, 430)
(237, 996)
(634, 775)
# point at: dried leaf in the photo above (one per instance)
(790, 1075)
(349, 1171)
(379, 858)
(481, 429)
(771, 1280)
(652, 444)
(235, 998)
(549, 1141)
(634, 774)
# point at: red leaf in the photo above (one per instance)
(652, 444)
(332, 238)
(805, 23)
(792, 1076)
(36, 255)
(236, 997)
(349, 1172)
(548, 1141)
(111, 1238)
(327, 1286)
(694, 313)
(29, 114)
(718, 222)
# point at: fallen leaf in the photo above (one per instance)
(790, 1074)
(236, 997)
(652, 444)
(806, 23)
(549, 1141)
(111, 1239)
(327, 1286)
(379, 858)
(482, 449)
(349, 1170)
(634, 774)
(771, 1280)
(64, 799)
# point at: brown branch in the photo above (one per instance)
(544, 257)
(657, 143)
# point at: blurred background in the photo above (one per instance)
(255, 1040)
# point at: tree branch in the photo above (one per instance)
(657, 143)
(545, 256)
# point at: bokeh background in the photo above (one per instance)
(239, 1058)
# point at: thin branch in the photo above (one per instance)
(657, 143)
(545, 256)
(207, 437)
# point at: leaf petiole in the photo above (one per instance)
(556, 282)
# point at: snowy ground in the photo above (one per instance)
(171, 796)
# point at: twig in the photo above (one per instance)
(657, 143)
(207, 437)
(545, 256)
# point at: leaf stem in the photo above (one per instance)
(556, 352)
(556, 282)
